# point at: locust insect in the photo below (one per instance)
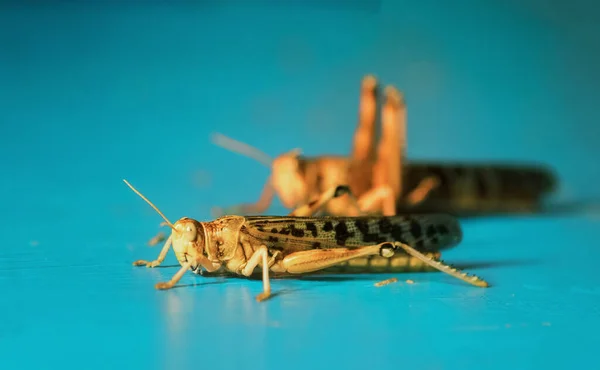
(303, 243)
(383, 182)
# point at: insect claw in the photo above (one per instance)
(140, 263)
(263, 296)
(163, 286)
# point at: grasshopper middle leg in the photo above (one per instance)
(317, 205)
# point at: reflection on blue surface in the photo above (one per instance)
(92, 93)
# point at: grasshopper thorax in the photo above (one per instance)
(188, 239)
(222, 237)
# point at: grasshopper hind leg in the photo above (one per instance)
(320, 259)
(364, 135)
(388, 250)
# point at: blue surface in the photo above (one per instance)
(91, 94)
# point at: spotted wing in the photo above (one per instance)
(426, 233)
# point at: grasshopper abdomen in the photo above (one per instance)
(480, 188)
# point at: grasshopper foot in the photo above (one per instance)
(163, 286)
(263, 296)
(147, 263)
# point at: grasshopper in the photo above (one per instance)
(381, 181)
(303, 243)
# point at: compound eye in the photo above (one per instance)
(189, 232)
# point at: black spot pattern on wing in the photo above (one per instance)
(364, 229)
(415, 229)
(431, 231)
(342, 233)
(443, 229)
(385, 225)
(425, 232)
(310, 226)
(298, 233)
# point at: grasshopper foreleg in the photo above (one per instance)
(200, 261)
(169, 284)
(159, 260)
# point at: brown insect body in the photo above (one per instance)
(304, 244)
(383, 182)
(461, 189)
(232, 240)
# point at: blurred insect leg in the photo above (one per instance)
(316, 205)
(378, 200)
(388, 169)
(169, 284)
(364, 136)
(260, 206)
(422, 191)
(260, 256)
(161, 256)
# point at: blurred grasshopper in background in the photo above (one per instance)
(380, 179)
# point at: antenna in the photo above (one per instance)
(242, 148)
(152, 205)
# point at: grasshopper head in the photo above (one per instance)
(287, 179)
(188, 239)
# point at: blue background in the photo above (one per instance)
(92, 92)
